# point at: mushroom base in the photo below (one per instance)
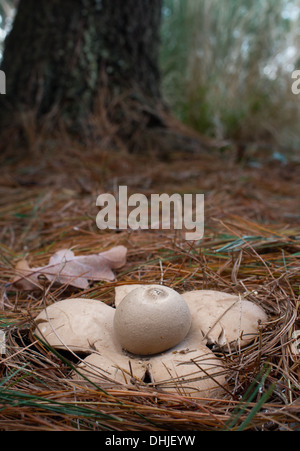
(188, 369)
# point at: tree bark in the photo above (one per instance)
(60, 53)
(91, 65)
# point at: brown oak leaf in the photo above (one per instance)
(66, 268)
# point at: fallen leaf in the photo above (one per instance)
(25, 278)
(66, 268)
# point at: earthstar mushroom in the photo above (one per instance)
(151, 319)
(78, 324)
(154, 336)
(224, 319)
(189, 369)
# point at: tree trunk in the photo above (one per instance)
(60, 53)
(89, 64)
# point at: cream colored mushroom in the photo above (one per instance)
(122, 290)
(189, 372)
(77, 324)
(151, 319)
(110, 369)
(187, 369)
(80, 324)
(224, 319)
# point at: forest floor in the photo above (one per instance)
(251, 244)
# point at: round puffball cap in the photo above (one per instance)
(122, 290)
(151, 319)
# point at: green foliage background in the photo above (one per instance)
(227, 67)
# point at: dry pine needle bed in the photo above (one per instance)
(251, 245)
